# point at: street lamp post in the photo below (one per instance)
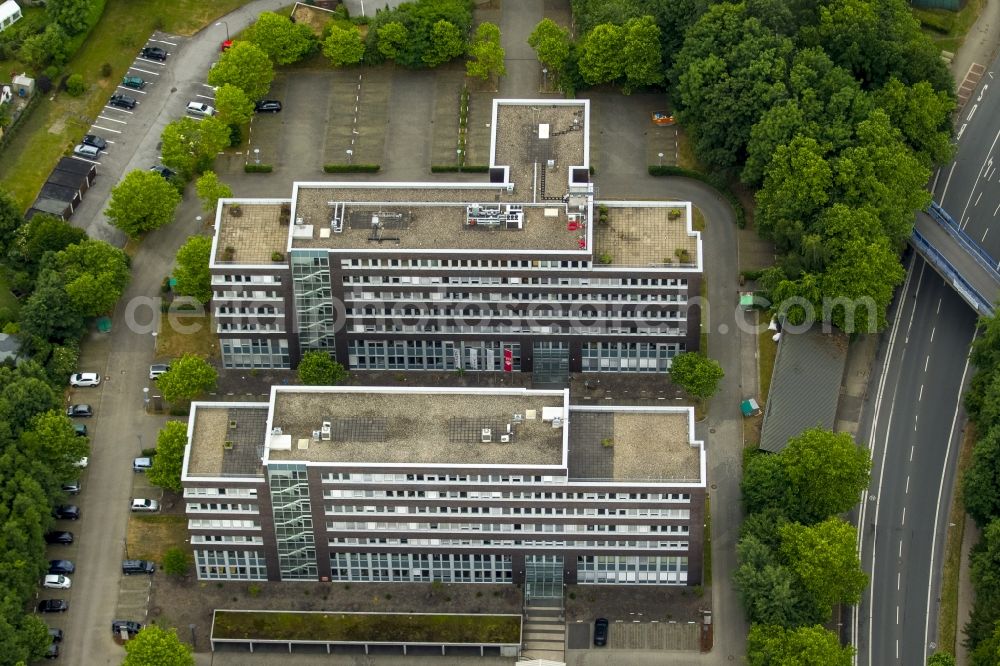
(660, 155)
(227, 28)
(256, 155)
(459, 153)
(350, 154)
(145, 399)
(545, 78)
(192, 627)
(154, 342)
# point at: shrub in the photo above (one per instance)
(604, 258)
(75, 85)
(44, 84)
(453, 168)
(258, 168)
(149, 453)
(106, 70)
(277, 256)
(235, 136)
(176, 562)
(351, 168)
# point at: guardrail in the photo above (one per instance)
(941, 216)
(964, 289)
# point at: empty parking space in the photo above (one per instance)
(133, 597)
(357, 114)
(447, 96)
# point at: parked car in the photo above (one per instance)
(200, 109)
(163, 171)
(71, 487)
(52, 606)
(67, 512)
(61, 567)
(139, 504)
(123, 101)
(57, 582)
(600, 631)
(87, 152)
(130, 567)
(80, 429)
(95, 141)
(52, 651)
(130, 626)
(79, 411)
(141, 464)
(267, 106)
(154, 53)
(56, 635)
(158, 369)
(84, 379)
(136, 82)
(59, 537)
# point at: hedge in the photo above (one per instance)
(351, 168)
(258, 168)
(715, 181)
(454, 168)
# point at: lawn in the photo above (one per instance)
(368, 628)
(186, 334)
(58, 121)
(151, 536)
(950, 28)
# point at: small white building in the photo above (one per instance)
(10, 13)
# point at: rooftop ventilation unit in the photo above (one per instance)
(325, 431)
(276, 431)
(486, 436)
(518, 417)
(557, 422)
(316, 435)
(505, 439)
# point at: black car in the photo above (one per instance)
(79, 411)
(52, 651)
(132, 627)
(67, 512)
(130, 567)
(71, 487)
(123, 101)
(600, 631)
(95, 141)
(154, 53)
(163, 171)
(59, 537)
(61, 567)
(53, 606)
(267, 106)
(55, 634)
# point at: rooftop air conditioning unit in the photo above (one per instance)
(276, 431)
(557, 422)
(518, 417)
(316, 435)
(486, 436)
(325, 430)
(505, 439)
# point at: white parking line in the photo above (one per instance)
(163, 41)
(144, 71)
(107, 129)
(154, 62)
(106, 106)
(83, 160)
(208, 86)
(132, 90)
(114, 120)
(211, 97)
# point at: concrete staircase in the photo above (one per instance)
(544, 631)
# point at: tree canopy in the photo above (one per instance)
(191, 268)
(190, 146)
(318, 369)
(343, 46)
(485, 53)
(697, 374)
(551, 43)
(157, 646)
(210, 189)
(410, 34)
(141, 202)
(770, 645)
(233, 105)
(283, 41)
(246, 66)
(189, 376)
(825, 561)
(169, 458)
(94, 274)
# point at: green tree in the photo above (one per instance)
(71, 15)
(765, 482)
(392, 39)
(697, 374)
(981, 482)
(40, 235)
(825, 473)
(982, 398)
(24, 398)
(641, 61)
(770, 645)
(49, 313)
(51, 440)
(48, 46)
(943, 659)
(188, 377)
(923, 115)
(141, 202)
(486, 53)
(986, 652)
(446, 43)
(245, 66)
(601, 54)
(169, 458)
(233, 105)
(768, 589)
(317, 369)
(343, 46)
(11, 220)
(154, 646)
(797, 187)
(824, 559)
(551, 43)
(191, 268)
(283, 41)
(190, 146)
(210, 189)
(176, 562)
(94, 273)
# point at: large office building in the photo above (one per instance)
(453, 485)
(522, 271)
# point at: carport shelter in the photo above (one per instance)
(52, 190)
(55, 207)
(805, 385)
(84, 171)
(77, 182)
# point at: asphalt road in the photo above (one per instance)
(913, 421)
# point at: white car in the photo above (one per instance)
(139, 504)
(83, 462)
(57, 582)
(200, 109)
(85, 379)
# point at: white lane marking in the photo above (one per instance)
(113, 120)
(107, 129)
(983, 92)
(979, 197)
(903, 521)
(988, 162)
(906, 491)
(144, 71)
(984, 235)
(900, 547)
(932, 333)
(131, 90)
(946, 183)
(961, 131)
(972, 111)
(938, 311)
(926, 362)
(911, 451)
(83, 160)
(921, 396)
(937, 509)
(897, 613)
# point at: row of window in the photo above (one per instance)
(222, 524)
(631, 569)
(226, 538)
(337, 526)
(250, 279)
(516, 311)
(216, 507)
(354, 477)
(418, 567)
(487, 281)
(255, 353)
(230, 565)
(521, 329)
(508, 543)
(502, 264)
(220, 492)
(676, 514)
